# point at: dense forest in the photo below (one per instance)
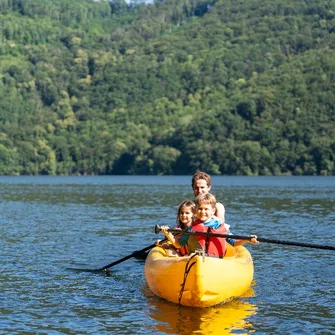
(233, 87)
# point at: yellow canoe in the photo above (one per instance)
(197, 280)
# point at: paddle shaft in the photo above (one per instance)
(129, 256)
(248, 238)
(126, 257)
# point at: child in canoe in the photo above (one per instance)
(185, 219)
(206, 222)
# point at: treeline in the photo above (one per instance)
(236, 87)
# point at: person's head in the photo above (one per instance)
(185, 214)
(201, 183)
(205, 206)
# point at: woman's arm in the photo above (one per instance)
(220, 211)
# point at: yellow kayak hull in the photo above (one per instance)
(197, 280)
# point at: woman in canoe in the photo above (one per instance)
(202, 184)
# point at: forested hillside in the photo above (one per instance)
(235, 87)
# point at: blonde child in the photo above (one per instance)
(205, 210)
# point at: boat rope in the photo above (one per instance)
(186, 272)
(207, 239)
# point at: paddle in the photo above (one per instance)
(133, 254)
(248, 238)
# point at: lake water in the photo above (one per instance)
(51, 224)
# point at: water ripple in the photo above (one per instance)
(49, 225)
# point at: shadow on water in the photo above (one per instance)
(228, 318)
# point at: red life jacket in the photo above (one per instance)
(184, 250)
(214, 246)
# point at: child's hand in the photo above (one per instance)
(157, 242)
(164, 229)
(253, 239)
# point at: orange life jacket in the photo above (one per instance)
(214, 246)
(183, 250)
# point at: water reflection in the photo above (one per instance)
(230, 318)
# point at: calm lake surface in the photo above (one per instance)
(51, 224)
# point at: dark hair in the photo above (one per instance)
(186, 203)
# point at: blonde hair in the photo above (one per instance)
(187, 203)
(207, 198)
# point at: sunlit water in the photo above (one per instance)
(51, 224)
